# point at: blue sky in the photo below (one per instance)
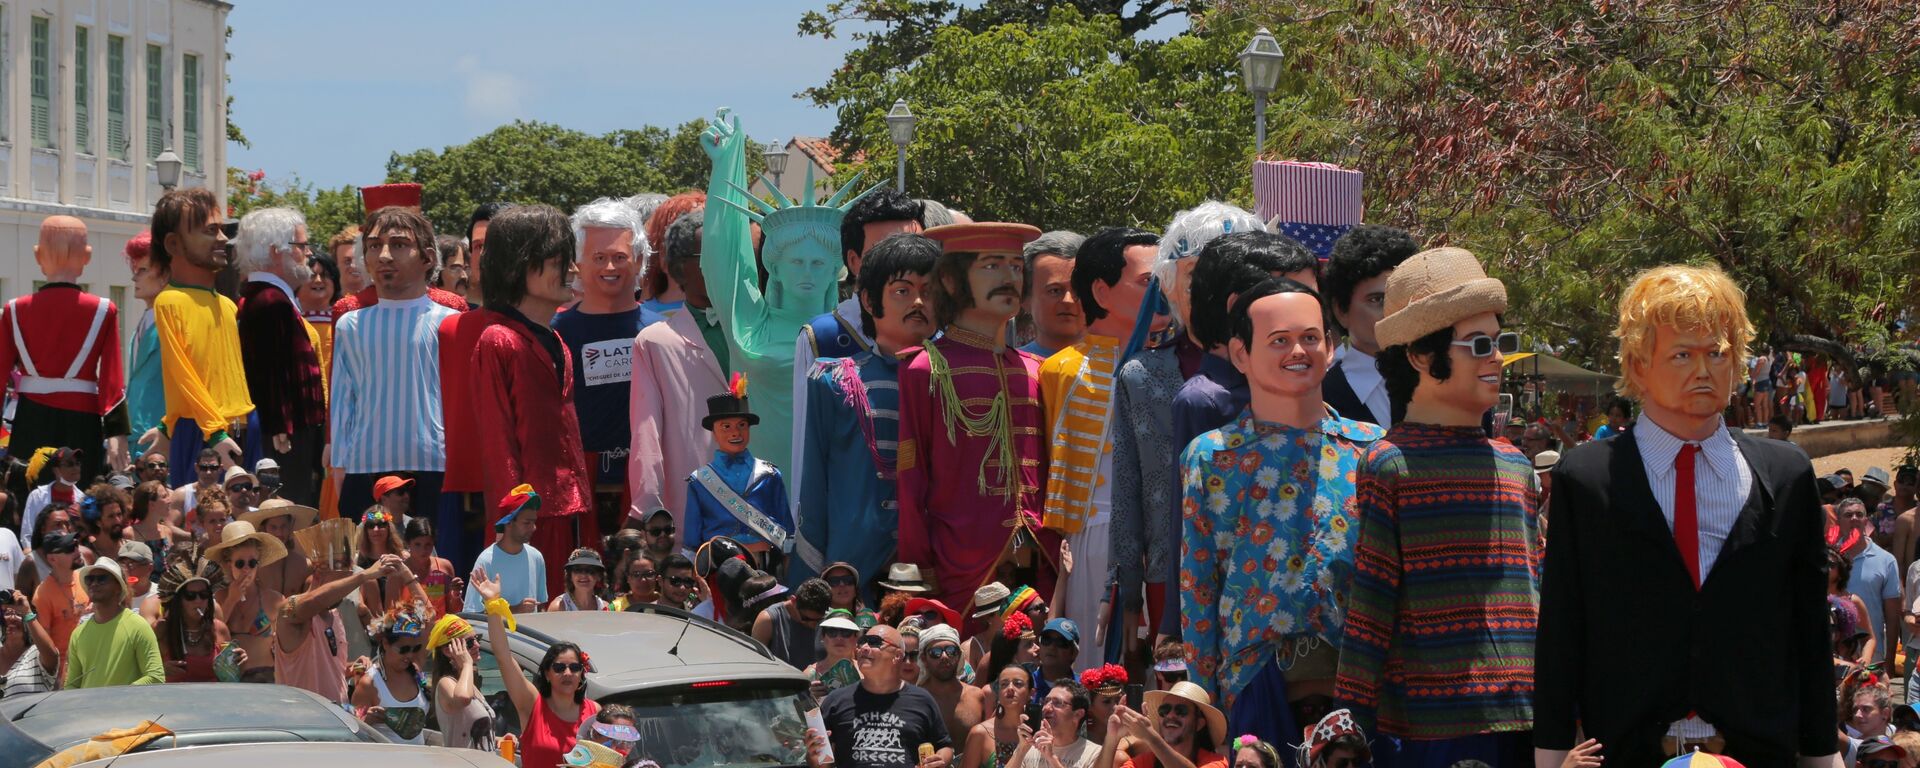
(318, 102)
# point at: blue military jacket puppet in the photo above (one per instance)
(737, 495)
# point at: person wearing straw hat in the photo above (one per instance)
(116, 646)
(279, 518)
(245, 603)
(1459, 619)
(1724, 534)
(1178, 726)
(972, 459)
(989, 606)
(1274, 487)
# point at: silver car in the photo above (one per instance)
(703, 694)
(305, 756)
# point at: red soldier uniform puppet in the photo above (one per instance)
(972, 467)
(66, 343)
(522, 378)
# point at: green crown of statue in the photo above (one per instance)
(787, 214)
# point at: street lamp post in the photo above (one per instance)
(900, 126)
(776, 159)
(1260, 72)
(167, 167)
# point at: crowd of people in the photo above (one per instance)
(971, 477)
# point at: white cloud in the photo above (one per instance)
(490, 96)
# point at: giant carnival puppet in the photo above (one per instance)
(1144, 544)
(801, 252)
(970, 405)
(66, 343)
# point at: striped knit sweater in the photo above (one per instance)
(1439, 639)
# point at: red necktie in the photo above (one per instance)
(1686, 520)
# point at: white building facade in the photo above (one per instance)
(91, 91)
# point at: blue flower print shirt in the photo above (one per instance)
(1270, 517)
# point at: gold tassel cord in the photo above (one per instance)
(995, 424)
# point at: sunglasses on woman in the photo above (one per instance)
(197, 594)
(563, 667)
(1481, 346)
(840, 581)
(838, 634)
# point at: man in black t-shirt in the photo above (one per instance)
(883, 721)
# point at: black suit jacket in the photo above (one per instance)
(1627, 645)
(1338, 393)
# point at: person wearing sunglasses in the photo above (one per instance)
(151, 467)
(639, 581)
(1175, 727)
(463, 714)
(388, 694)
(190, 634)
(116, 646)
(787, 628)
(207, 405)
(27, 653)
(835, 668)
(58, 597)
(844, 580)
(379, 535)
(658, 534)
(883, 709)
(1455, 616)
(1059, 647)
(962, 706)
(554, 704)
(246, 605)
(206, 479)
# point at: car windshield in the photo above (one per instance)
(719, 726)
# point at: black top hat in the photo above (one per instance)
(727, 407)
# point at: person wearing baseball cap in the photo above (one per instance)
(1059, 646)
(1442, 351)
(394, 494)
(116, 646)
(136, 563)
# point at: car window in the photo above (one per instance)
(487, 678)
(721, 725)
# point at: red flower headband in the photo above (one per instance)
(1108, 676)
(1016, 625)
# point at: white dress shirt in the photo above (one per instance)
(1363, 375)
(1722, 482)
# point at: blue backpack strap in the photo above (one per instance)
(829, 339)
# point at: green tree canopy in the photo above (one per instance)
(1071, 123)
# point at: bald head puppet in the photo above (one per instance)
(62, 252)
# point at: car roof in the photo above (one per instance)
(630, 649)
(303, 755)
(61, 719)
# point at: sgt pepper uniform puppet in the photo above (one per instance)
(801, 251)
(972, 465)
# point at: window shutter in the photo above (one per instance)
(156, 105)
(117, 97)
(42, 81)
(190, 132)
(82, 81)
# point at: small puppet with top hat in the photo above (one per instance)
(736, 495)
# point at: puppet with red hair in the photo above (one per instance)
(146, 398)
